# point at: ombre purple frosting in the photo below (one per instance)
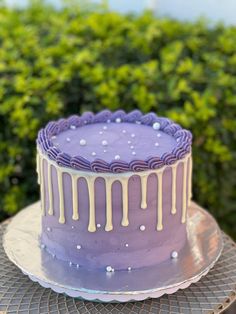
(174, 142)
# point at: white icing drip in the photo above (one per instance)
(184, 201)
(42, 187)
(144, 191)
(173, 208)
(159, 201)
(124, 184)
(92, 223)
(109, 225)
(190, 180)
(38, 167)
(61, 197)
(74, 180)
(50, 196)
(109, 179)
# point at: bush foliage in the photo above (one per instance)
(57, 62)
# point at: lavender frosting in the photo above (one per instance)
(175, 142)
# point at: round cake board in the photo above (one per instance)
(202, 250)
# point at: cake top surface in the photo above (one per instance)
(114, 142)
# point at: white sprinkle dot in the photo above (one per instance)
(118, 120)
(53, 137)
(72, 127)
(132, 135)
(133, 153)
(99, 225)
(68, 139)
(72, 227)
(174, 255)
(129, 142)
(108, 121)
(94, 154)
(82, 142)
(77, 266)
(104, 143)
(178, 139)
(156, 126)
(129, 268)
(132, 147)
(109, 269)
(156, 144)
(126, 244)
(138, 122)
(53, 255)
(78, 247)
(142, 228)
(158, 134)
(43, 246)
(105, 127)
(124, 131)
(70, 263)
(105, 151)
(100, 132)
(49, 229)
(117, 157)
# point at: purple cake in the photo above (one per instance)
(115, 189)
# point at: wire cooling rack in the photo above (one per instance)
(212, 294)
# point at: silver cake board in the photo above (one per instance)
(202, 250)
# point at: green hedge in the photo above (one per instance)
(54, 63)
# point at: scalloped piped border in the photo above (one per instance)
(183, 139)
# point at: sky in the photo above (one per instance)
(190, 10)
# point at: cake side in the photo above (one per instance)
(115, 218)
(124, 220)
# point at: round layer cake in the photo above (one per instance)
(115, 189)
